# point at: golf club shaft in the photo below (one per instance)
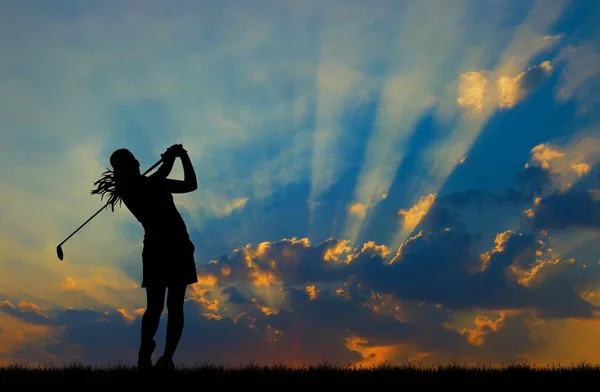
(100, 210)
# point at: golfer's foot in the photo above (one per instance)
(145, 356)
(165, 365)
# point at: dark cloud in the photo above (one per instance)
(309, 331)
(511, 340)
(534, 180)
(100, 337)
(25, 313)
(332, 311)
(447, 208)
(533, 78)
(108, 328)
(558, 284)
(441, 268)
(293, 261)
(235, 297)
(291, 300)
(477, 198)
(561, 211)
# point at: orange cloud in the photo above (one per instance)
(375, 355)
(263, 279)
(268, 311)
(358, 209)
(483, 327)
(413, 216)
(472, 90)
(205, 284)
(311, 291)
(336, 252)
(212, 316)
(512, 90)
(482, 91)
(17, 334)
(131, 316)
(400, 248)
(207, 280)
(68, 284)
(226, 271)
(381, 250)
(500, 240)
(568, 163)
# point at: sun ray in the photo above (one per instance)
(531, 38)
(334, 83)
(407, 94)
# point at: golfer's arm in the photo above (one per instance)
(163, 170)
(189, 174)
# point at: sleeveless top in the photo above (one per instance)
(152, 205)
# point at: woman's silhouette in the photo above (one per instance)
(168, 252)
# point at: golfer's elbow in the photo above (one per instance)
(192, 186)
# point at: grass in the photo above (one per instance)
(79, 374)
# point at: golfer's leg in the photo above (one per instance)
(155, 302)
(175, 300)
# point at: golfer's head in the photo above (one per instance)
(123, 161)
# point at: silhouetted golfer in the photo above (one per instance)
(168, 253)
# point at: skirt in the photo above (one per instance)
(168, 262)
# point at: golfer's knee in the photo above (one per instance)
(153, 312)
(175, 308)
(175, 303)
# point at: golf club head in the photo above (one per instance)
(59, 252)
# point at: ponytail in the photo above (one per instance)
(107, 186)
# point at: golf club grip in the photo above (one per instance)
(100, 210)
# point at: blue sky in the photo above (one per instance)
(381, 180)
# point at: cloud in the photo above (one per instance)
(68, 284)
(446, 258)
(464, 209)
(580, 75)
(513, 68)
(472, 90)
(413, 216)
(28, 311)
(478, 91)
(307, 96)
(253, 125)
(566, 165)
(267, 301)
(358, 209)
(565, 210)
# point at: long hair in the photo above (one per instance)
(107, 186)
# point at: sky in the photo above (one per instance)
(378, 180)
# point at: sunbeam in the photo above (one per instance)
(362, 169)
(481, 94)
(408, 92)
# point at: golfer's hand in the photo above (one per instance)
(178, 150)
(169, 154)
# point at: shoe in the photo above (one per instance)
(145, 356)
(164, 365)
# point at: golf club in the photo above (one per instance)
(59, 250)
